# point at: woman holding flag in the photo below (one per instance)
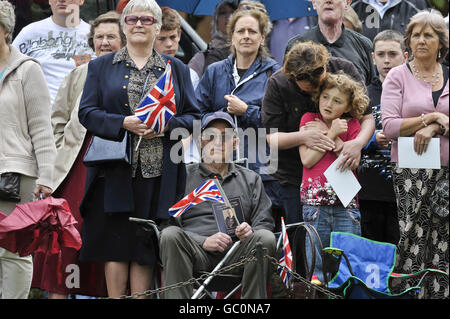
(143, 94)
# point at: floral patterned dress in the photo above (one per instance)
(423, 234)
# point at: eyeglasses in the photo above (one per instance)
(145, 20)
(310, 76)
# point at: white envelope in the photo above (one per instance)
(408, 158)
(345, 184)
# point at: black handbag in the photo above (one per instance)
(10, 187)
(102, 151)
(303, 289)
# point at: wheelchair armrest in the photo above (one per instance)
(146, 223)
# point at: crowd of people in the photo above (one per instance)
(314, 90)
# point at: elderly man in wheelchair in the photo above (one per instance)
(194, 243)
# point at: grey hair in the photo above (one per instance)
(144, 5)
(7, 18)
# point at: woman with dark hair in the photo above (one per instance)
(414, 102)
(287, 98)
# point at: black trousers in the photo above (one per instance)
(379, 221)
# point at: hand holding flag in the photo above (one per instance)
(158, 106)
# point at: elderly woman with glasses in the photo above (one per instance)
(146, 188)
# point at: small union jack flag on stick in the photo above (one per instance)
(286, 256)
(158, 105)
(206, 191)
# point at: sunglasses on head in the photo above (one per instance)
(311, 75)
(145, 20)
(250, 7)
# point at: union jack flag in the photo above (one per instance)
(286, 256)
(158, 105)
(206, 191)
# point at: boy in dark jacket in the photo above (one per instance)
(376, 198)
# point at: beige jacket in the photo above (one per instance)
(69, 133)
(26, 140)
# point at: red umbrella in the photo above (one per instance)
(42, 226)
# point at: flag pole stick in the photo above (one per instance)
(138, 143)
(238, 155)
(225, 198)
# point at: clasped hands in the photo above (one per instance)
(221, 241)
(133, 124)
(423, 136)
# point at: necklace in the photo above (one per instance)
(434, 78)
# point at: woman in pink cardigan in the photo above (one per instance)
(414, 102)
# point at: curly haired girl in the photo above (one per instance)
(341, 103)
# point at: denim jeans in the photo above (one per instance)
(327, 219)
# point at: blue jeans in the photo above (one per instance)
(327, 219)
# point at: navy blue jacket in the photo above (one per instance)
(103, 107)
(218, 81)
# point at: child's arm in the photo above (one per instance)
(352, 148)
(310, 157)
(338, 126)
(353, 129)
(339, 145)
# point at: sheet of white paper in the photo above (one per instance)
(344, 183)
(408, 158)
